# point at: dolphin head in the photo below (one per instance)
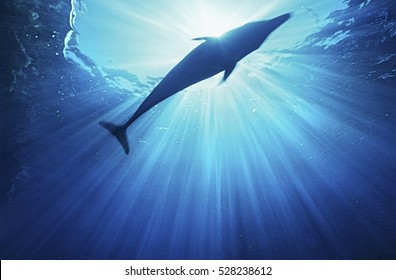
(266, 27)
(278, 21)
(254, 33)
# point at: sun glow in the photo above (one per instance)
(214, 21)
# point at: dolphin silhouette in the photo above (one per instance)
(208, 59)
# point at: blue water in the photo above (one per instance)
(294, 157)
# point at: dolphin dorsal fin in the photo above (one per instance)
(228, 72)
(203, 38)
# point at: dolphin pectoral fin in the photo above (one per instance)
(119, 132)
(228, 72)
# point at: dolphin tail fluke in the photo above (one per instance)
(119, 131)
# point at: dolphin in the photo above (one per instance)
(214, 55)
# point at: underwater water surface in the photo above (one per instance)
(293, 157)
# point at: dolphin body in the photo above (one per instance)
(208, 59)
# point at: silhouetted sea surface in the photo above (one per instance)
(293, 158)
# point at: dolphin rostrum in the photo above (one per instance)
(211, 57)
